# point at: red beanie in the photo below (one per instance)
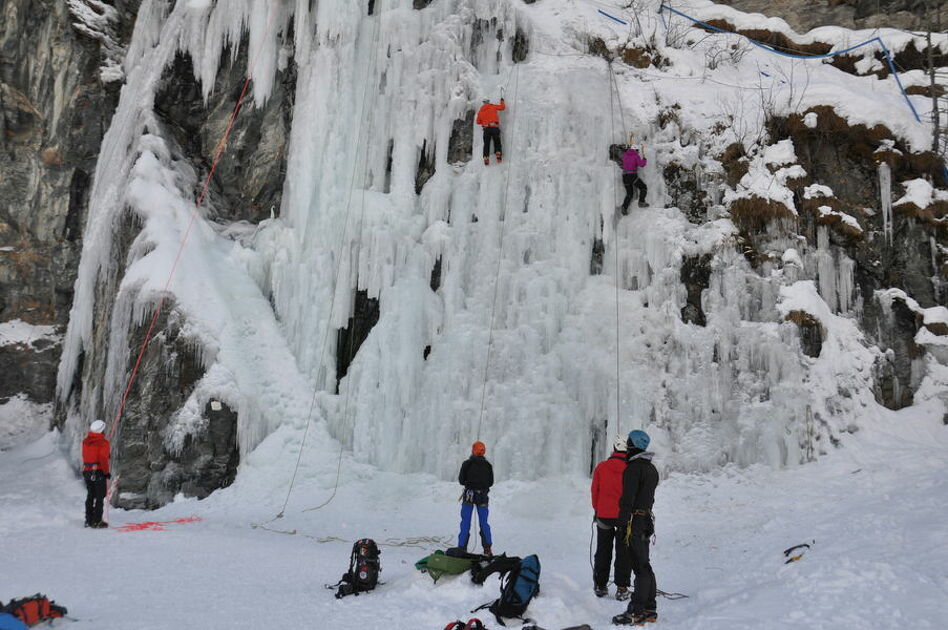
(478, 448)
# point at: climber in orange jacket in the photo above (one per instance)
(487, 118)
(95, 471)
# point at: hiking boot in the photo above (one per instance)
(488, 551)
(623, 593)
(499, 157)
(600, 591)
(486, 161)
(651, 616)
(100, 525)
(631, 619)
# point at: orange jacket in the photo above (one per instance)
(487, 116)
(95, 453)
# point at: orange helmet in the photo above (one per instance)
(478, 448)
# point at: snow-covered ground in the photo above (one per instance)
(876, 510)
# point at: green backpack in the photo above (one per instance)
(439, 563)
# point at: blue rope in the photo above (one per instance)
(612, 17)
(773, 50)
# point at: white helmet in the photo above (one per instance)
(97, 427)
(619, 444)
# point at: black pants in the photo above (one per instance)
(492, 134)
(605, 538)
(644, 596)
(631, 181)
(95, 495)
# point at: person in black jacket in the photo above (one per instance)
(636, 520)
(477, 476)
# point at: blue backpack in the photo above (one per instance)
(517, 587)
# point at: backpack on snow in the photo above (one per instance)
(480, 571)
(33, 610)
(364, 569)
(517, 588)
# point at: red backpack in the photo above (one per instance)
(33, 610)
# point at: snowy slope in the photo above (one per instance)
(875, 509)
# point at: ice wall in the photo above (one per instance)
(523, 339)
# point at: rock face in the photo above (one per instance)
(804, 15)
(151, 471)
(54, 110)
(248, 181)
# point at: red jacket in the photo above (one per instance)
(95, 453)
(607, 485)
(487, 116)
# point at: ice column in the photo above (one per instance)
(885, 191)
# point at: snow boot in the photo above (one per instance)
(651, 616)
(499, 157)
(632, 619)
(100, 525)
(623, 593)
(486, 161)
(600, 591)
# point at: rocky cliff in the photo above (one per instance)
(804, 15)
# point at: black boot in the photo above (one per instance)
(633, 619)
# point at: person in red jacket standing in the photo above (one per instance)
(606, 492)
(95, 472)
(487, 118)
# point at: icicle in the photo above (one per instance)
(826, 269)
(885, 190)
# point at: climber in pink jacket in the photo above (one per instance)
(631, 162)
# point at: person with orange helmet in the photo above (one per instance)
(477, 476)
(95, 471)
(489, 121)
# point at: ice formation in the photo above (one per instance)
(512, 241)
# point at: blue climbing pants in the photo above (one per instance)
(467, 509)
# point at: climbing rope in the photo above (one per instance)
(615, 230)
(332, 302)
(218, 153)
(493, 307)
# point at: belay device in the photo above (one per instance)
(364, 569)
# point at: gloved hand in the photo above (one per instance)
(108, 475)
(501, 99)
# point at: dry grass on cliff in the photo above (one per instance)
(753, 214)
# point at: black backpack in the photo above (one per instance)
(517, 588)
(364, 569)
(483, 569)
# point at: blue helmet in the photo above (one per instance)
(639, 439)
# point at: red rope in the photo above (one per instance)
(161, 300)
(197, 206)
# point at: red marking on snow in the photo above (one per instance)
(156, 526)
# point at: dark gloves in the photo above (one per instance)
(108, 475)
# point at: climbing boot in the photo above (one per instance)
(600, 591)
(631, 619)
(623, 593)
(651, 616)
(499, 157)
(100, 525)
(486, 160)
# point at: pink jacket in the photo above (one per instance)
(631, 161)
